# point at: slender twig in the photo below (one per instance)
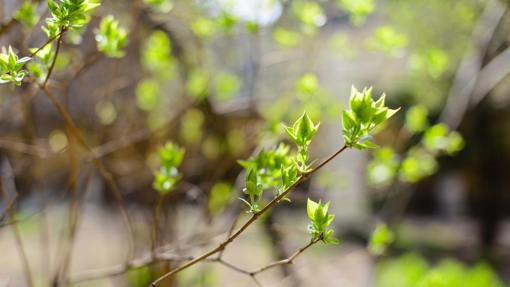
(19, 242)
(73, 211)
(248, 223)
(285, 261)
(57, 50)
(120, 269)
(155, 224)
(45, 44)
(8, 207)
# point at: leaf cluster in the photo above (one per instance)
(380, 239)
(10, 66)
(111, 37)
(70, 13)
(302, 133)
(27, 14)
(364, 115)
(321, 219)
(167, 176)
(253, 188)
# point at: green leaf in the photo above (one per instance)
(311, 208)
(90, 6)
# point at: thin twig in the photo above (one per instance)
(285, 261)
(45, 44)
(155, 224)
(8, 207)
(19, 242)
(59, 43)
(248, 223)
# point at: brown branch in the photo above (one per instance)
(155, 224)
(8, 26)
(59, 43)
(285, 261)
(45, 44)
(120, 269)
(248, 223)
(9, 206)
(102, 169)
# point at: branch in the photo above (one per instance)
(248, 223)
(59, 43)
(9, 207)
(285, 261)
(106, 175)
(45, 44)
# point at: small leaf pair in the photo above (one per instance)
(111, 37)
(302, 133)
(253, 189)
(167, 176)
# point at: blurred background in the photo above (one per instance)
(429, 208)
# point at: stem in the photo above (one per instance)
(285, 261)
(59, 43)
(155, 225)
(248, 223)
(19, 242)
(45, 44)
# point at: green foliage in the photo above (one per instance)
(10, 67)
(438, 139)
(271, 166)
(70, 13)
(111, 38)
(167, 176)
(52, 30)
(226, 85)
(157, 55)
(198, 82)
(309, 12)
(45, 54)
(380, 239)
(219, 197)
(387, 40)
(302, 133)
(416, 118)
(286, 38)
(148, 95)
(384, 166)
(203, 27)
(27, 14)
(321, 220)
(358, 9)
(253, 188)
(411, 270)
(163, 6)
(364, 115)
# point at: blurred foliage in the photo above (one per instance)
(411, 270)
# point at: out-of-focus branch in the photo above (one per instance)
(468, 73)
(8, 207)
(102, 169)
(19, 242)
